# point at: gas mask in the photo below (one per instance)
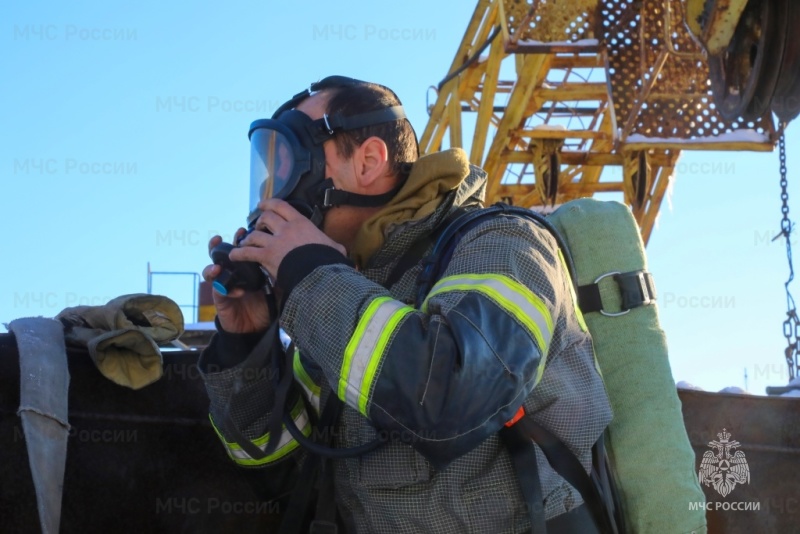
(287, 161)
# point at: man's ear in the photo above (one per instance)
(372, 160)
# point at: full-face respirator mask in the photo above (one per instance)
(287, 161)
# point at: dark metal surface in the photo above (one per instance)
(786, 98)
(743, 77)
(759, 71)
(137, 461)
(768, 429)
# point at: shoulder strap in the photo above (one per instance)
(436, 263)
(418, 248)
(566, 464)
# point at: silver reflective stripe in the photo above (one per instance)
(286, 444)
(366, 348)
(515, 298)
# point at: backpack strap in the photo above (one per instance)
(311, 477)
(436, 262)
(418, 248)
(566, 464)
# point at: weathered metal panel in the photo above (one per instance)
(137, 461)
(768, 431)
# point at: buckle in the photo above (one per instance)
(327, 124)
(636, 288)
(601, 310)
(326, 199)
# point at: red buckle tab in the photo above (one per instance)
(517, 416)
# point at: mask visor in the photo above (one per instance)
(272, 166)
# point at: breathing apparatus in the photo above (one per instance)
(287, 161)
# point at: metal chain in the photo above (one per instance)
(791, 326)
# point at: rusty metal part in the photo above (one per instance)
(713, 22)
(537, 23)
(636, 179)
(545, 154)
(744, 76)
(634, 79)
(660, 86)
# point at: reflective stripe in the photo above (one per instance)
(286, 444)
(578, 312)
(309, 386)
(510, 295)
(365, 350)
(516, 299)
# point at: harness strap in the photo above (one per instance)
(523, 456)
(314, 465)
(564, 462)
(337, 197)
(463, 223)
(418, 248)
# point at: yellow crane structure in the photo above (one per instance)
(545, 95)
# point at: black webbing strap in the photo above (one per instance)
(325, 517)
(313, 465)
(337, 122)
(337, 197)
(602, 479)
(577, 521)
(418, 249)
(523, 456)
(450, 236)
(564, 462)
(636, 289)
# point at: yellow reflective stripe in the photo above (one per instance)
(575, 305)
(301, 374)
(365, 350)
(578, 312)
(309, 386)
(286, 444)
(510, 295)
(377, 355)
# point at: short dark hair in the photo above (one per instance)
(399, 136)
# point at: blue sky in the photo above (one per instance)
(124, 141)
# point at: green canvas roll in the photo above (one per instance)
(653, 462)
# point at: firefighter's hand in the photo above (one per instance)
(288, 229)
(240, 311)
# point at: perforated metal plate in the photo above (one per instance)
(674, 101)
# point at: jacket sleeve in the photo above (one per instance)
(448, 375)
(239, 382)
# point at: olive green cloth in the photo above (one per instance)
(123, 335)
(431, 177)
(654, 463)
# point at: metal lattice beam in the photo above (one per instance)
(549, 109)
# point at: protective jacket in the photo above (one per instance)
(498, 330)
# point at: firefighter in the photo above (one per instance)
(423, 389)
